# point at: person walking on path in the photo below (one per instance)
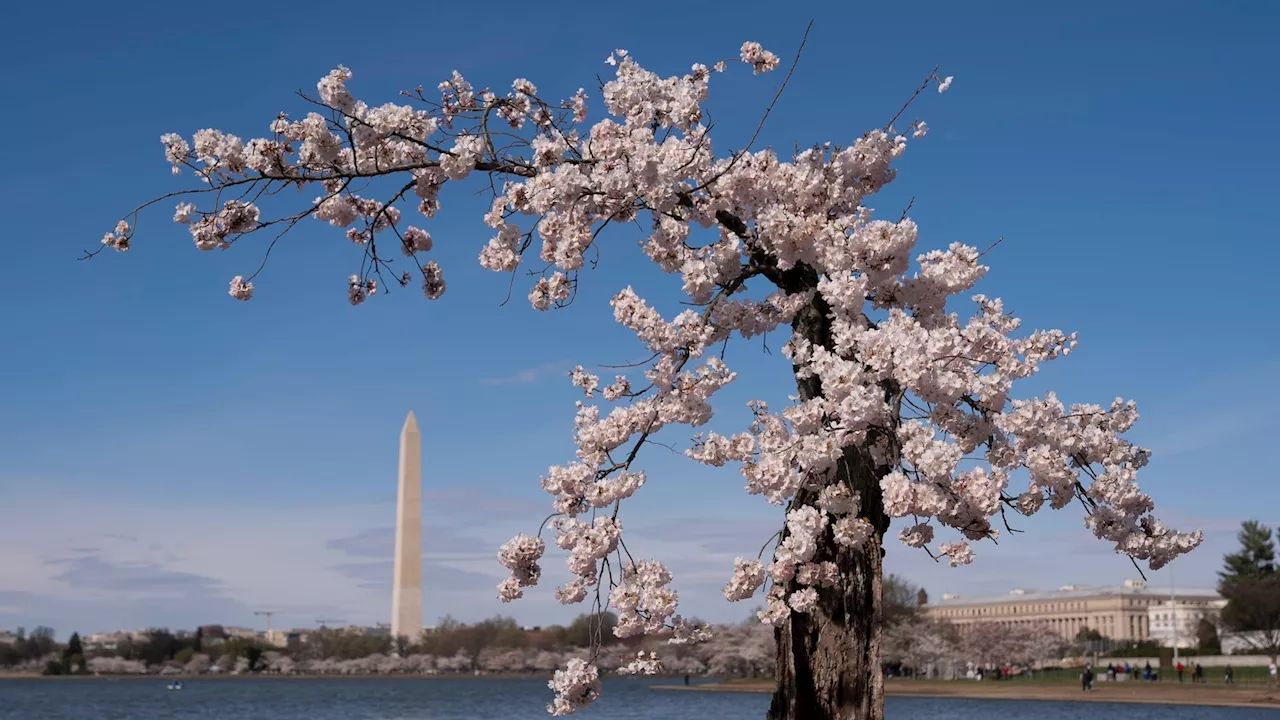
(1086, 678)
(1230, 675)
(1197, 675)
(1180, 668)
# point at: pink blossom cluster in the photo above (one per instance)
(588, 544)
(794, 564)
(643, 599)
(748, 576)
(520, 555)
(921, 392)
(688, 632)
(644, 663)
(241, 289)
(576, 685)
(118, 239)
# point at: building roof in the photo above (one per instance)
(1068, 592)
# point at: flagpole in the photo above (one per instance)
(1173, 607)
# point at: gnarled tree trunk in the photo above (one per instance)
(829, 659)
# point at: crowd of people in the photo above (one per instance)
(1146, 672)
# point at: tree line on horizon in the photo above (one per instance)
(210, 645)
(497, 644)
(1249, 581)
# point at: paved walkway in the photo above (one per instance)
(1127, 692)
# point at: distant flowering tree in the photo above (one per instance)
(904, 410)
(546, 660)
(420, 663)
(504, 661)
(388, 664)
(684, 665)
(199, 663)
(925, 645)
(282, 664)
(456, 663)
(741, 650)
(1042, 645)
(117, 666)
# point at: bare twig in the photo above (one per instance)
(923, 86)
(769, 109)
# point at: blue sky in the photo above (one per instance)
(169, 456)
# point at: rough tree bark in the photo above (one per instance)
(829, 660)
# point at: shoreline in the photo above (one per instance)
(1143, 694)
(186, 677)
(1124, 693)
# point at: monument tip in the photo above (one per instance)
(410, 423)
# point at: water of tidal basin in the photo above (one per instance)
(484, 699)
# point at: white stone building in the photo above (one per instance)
(1174, 623)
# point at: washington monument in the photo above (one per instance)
(406, 593)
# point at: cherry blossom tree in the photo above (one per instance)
(280, 663)
(992, 644)
(504, 661)
(925, 645)
(420, 663)
(740, 650)
(545, 660)
(456, 663)
(684, 665)
(116, 666)
(199, 663)
(1042, 644)
(904, 404)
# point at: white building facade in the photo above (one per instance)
(1122, 613)
(1175, 622)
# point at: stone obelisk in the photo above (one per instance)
(406, 593)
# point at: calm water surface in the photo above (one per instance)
(484, 699)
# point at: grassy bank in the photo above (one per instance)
(1256, 676)
(1204, 695)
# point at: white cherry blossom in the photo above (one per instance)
(900, 372)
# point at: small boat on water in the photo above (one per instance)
(175, 686)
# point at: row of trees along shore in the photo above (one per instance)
(497, 645)
(915, 645)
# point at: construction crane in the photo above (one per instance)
(268, 614)
(325, 622)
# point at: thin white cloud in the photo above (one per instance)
(438, 542)
(230, 563)
(1204, 417)
(98, 573)
(727, 537)
(436, 577)
(531, 375)
(465, 502)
